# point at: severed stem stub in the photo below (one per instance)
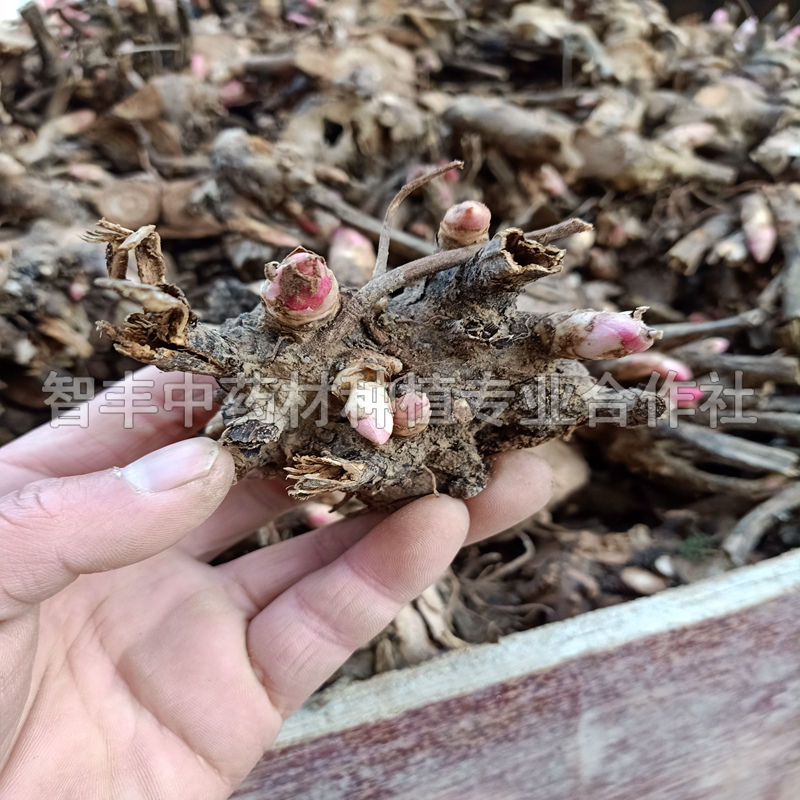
(387, 404)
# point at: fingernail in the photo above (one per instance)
(172, 466)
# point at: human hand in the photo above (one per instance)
(129, 667)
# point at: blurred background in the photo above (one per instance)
(243, 129)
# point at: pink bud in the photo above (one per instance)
(673, 371)
(74, 13)
(412, 414)
(689, 134)
(440, 187)
(720, 17)
(299, 19)
(463, 225)
(76, 122)
(370, 412)
(552, 181)
(198, 65)
(596, 335)
(233, 93)
(705, 347)
(683, 396)
(301, 289)
(318, 515)
(370, 430)
(716, 344)
(452, 175)
(77, 290)
(744, 33)
(790, 38)
(90, 173)
(421, 229)
(642, 365)
(759, 227)
(351, 257)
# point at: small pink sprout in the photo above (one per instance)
(595, 335)
(318, 515)
(716, 344)
(744, 33)
(75, 122)
(721, 17)
(299, 19)
(642, 365)
(310, 226)
(301, 289)
(552, 181)
(655, 366)
(198, 65)
(412, 414)
(369, 411)
(759, 227)
(452, 175)
(90, 173)
(618, 237)
(350, 238)
(689, 134)
(441, 187)
(233, 93)
(464, 224)
(351, 256)
(790, 38)
(421, 229)
(74, 13)
(77, 290)
(713, 345)
(683, 395)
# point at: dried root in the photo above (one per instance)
(382, 394)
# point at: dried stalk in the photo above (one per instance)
(679, 333)
(744, 537)
(382, 258)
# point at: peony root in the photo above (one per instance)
(387, 394)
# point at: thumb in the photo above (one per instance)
(53, 530)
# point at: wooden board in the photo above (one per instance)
(688, 695)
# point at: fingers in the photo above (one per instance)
(520, 485)
(261, 576)
(48, 451)
(250, 504)
(328, 592)
(310, 629)
(56, 529)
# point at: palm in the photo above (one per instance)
(129, 666)
(159, 679)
